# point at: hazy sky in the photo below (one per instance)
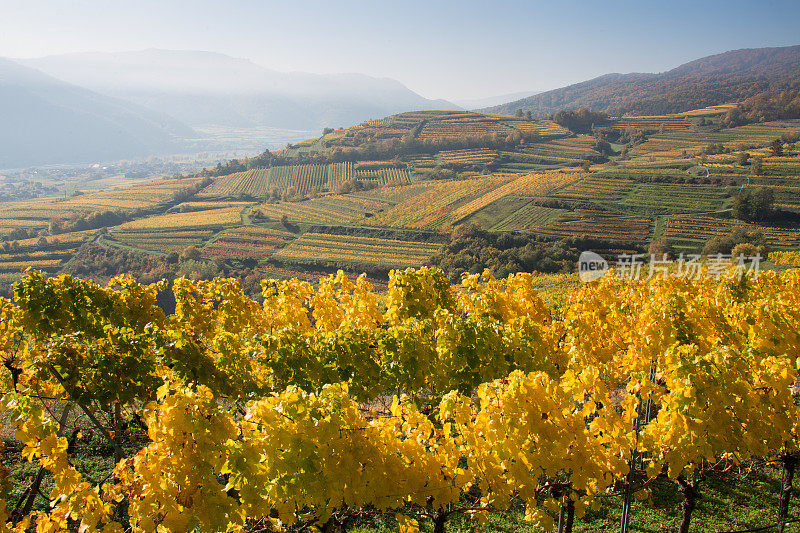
(441, 49)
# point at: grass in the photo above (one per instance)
(729, 502)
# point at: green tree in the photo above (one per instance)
(777, 147)
(754, 204)
(742, 159)
(758, 166)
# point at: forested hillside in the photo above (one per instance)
(718, 79)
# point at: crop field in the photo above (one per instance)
(252, 183)
(321, 248)
(671, 144)
(708, 111)
(159, 241)
(528, 216)
(673, 197)
(787, 197)
(696, 229)
(142, 196)
(212, 218)
(545, 129)
(468, 157)
(621, 229)
(204, 206)
(247, 242)
(571, 150)
(329, 209)
(596, 189)
(430, 209)
(529, 185)
(463, 125)
(641, 172)
(666, 122)
(394, 194)
(46, 253)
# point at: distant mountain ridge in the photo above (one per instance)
(207, 89)
(47, 121)
(712, 80)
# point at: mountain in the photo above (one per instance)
(210, 90)
(712, 80)
(47, 121)
(477, 103)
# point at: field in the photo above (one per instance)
(612, 228)
(362, 252)
(459, 168)
(694, 229)
(528, 216)
(212, 218)
(247, 242)
(157, 240)
(252, 183)
(331, 209)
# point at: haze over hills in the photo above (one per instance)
(45, 121)
(477, 103)
(708, 81)
(207, 90)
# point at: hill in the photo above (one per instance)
(461, 190)
(209, 90)
(713, 80)
(45, 121)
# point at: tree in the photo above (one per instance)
(285, 220)
(758, 166)
(528, 115)
(519, 113)
(754, 205)
(743, 159)
(659, 248)
(777, 147)
(327, 131)
(191, 253)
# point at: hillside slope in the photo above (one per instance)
(708, 81)
(47, 121)
(205, 89)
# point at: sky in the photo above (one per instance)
(441, 49)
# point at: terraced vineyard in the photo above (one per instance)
(535, 177)
(247, 242)
(690, 230)
(46, 253)
(162, 241)
(322, 248)
(212, 218)
(331, 209)
(612, 228)
(596, 189)
(468, 157)
(529, 216)
(672, 197)
(253, 183)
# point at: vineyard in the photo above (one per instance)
(247, 242)
(332, 209)
(253, 183)
(162, 241)
(361, 252)
(683, 228)
(320, 407)
(212, 218)
(612, 228)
